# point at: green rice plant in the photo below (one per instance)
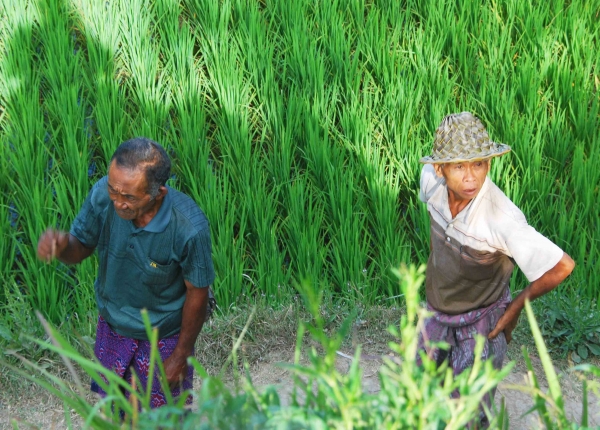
(270, 261)
(229, 105)
(7, 247)
(22, 128)
(62, 99)
(389, 245)
(31, 193)
(281, 157)
(7, 221)
(99, 23)
(305, 230)
(350, 267)
(45, 286)
(147, 84)
(337, 42)
(585, 245)
(193, 164)
(229, 248)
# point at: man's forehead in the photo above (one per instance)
(127, 180)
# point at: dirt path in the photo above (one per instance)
(35, 409)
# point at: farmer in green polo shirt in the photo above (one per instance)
(154, 253)
(477, 237)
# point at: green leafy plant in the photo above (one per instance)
(571, 326)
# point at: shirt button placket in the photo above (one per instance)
(131, 240)
(450, 226)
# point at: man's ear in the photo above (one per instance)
(438, 170)
(162, 192)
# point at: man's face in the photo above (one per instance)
(128, 191)
(463, 179)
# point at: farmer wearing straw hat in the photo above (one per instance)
(477, 236)
(154, 253)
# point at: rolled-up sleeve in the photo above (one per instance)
(197, 265)
(87, 224)
(534, 253)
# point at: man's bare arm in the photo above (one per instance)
(194, 313)
(62, 245)
(546, 283)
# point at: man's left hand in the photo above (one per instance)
(544, 284)
(175, 369)
(507, 323)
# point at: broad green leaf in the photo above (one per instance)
(5, 333)
(582, 351)
(594, 348)
(575, 357)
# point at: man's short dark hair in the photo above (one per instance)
(146, 154)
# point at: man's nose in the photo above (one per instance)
(120, 202)
(469, 175)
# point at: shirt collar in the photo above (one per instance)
(474, 204)
(159, 222)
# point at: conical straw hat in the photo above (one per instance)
(462, 137)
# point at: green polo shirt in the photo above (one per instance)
(145, 267)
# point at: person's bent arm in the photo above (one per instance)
(546, 283)
(194, 313)
(62, 245)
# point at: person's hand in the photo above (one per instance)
(506, 323)
(176, 369)
(51, 244)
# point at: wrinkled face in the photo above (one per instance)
(128, 191)
(463, 179)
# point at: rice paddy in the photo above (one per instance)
(297, 127)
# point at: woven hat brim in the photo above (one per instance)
(501, 149)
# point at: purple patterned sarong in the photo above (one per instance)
(459, 332)
(123, 355)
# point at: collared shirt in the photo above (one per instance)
(145, 267)
(472, 254)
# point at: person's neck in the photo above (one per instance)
(456, 203)
(145, 219)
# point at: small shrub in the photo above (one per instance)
(571, 326)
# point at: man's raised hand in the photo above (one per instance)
(51, 244)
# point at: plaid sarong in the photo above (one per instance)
(123, 355)
(459, 332)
